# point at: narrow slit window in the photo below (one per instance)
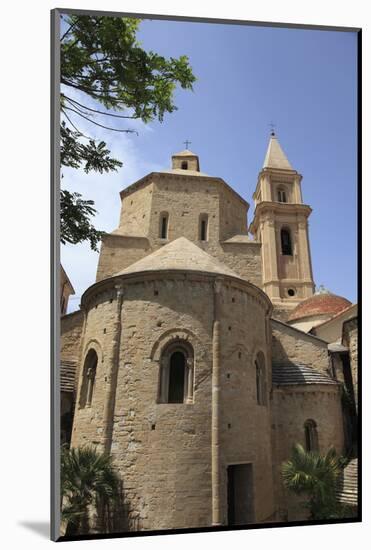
(261, 385)
(164, 226)
(311, 436)
(88, 382)
(203, 227)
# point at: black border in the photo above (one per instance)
(55, 275)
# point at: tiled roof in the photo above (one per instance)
(287, 375)
(182, 255)
(320, 304)
(347, 491)
(68, 371)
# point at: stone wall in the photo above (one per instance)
(292, 406)
(163, 451)
(135, 211)
(245, 425)
(71, 328)
(350, 339)
(118, 252)
(290, 345)
(185, 199)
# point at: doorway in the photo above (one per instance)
(240, 494)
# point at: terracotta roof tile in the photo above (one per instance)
(320, 304)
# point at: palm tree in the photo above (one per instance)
(314, 475)
(87, 479)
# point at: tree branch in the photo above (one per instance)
(95, 110)
(72, 124)
(68, 30)
(102, 125)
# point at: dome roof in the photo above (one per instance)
(180, 255)
(322, 304)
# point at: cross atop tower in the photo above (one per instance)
(187, 143)
(272, 127)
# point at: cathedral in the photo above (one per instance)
(203, 353)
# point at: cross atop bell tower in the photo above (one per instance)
(281, 224)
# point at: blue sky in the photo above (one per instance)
(302, 80)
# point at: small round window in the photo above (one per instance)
(291, 292)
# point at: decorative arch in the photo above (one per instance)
(311, 435)
(260, 378)
(93, 343)
(172, 335)
(174, 352)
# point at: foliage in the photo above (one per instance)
(314, 475)
(102, 59)
(347, 398)
(75, 220)
(91, 156)
(87, 479)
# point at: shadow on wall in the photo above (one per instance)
(115, 518)
(284, 365)
(300, 372)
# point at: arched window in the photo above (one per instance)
(311, 436)
(281, 195)
(260, 375)
(88, 381)
(164, 223)
(203, 227)
(286, 245)
(184, 165)
(176, 374)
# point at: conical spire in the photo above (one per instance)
(275, 157)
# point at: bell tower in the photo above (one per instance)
(281, 224)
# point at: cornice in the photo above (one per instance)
(272, 207)
(105, 285)
(149, 178)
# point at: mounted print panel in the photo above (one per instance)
(206, 355)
